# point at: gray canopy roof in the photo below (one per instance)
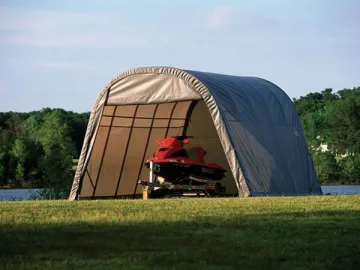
(260, 134)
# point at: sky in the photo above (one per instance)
(60, 54)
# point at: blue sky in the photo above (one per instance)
(61, 53)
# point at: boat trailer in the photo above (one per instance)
(177, 172)
(155, 189)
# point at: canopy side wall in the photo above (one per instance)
(126, 137)
(202, 128)
(266, 133)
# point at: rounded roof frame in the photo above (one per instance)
(185, 74)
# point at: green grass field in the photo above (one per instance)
(222, 233)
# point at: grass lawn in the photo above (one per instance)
(222, 233)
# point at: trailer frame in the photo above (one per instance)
(165, 190)
(154, 189)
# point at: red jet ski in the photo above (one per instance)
(177, 165)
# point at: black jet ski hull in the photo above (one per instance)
(173, 171)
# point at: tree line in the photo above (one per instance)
(331, 123)
(39, 149)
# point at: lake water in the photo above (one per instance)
(341, 189)
(24, 194)
(16, 194)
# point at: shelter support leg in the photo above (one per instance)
(145, 191)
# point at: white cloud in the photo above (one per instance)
(38, 20)
(52, 29)
(44, 28)
(220, 17)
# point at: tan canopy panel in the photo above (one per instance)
(248, 125)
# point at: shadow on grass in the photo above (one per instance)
(316, 240)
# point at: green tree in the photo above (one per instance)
(326, 167)
(33, 125)
(314, 102)
(20, 152)
(314, 110)
(15, 124)
(350, 169)
(58, 149)
(25, 155)
(344, 122)
(5, 147)
(332, 119)
(315, 128)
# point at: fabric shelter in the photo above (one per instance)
(248, 125)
